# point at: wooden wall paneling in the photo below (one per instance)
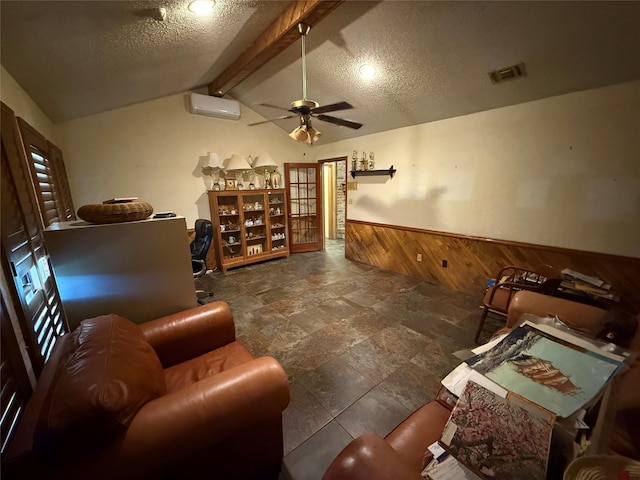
(472, 260)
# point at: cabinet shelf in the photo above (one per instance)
(370, 173)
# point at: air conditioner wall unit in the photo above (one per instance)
(214, 106)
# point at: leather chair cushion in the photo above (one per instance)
(109, 372)
(579, 316)
(183, 374)
(423, 427)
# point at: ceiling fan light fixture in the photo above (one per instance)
(299, 134)
(201, 7)
(305, 134)
(306, 109)
(314, 134)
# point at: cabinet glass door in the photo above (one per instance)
(230, 233)
(277, 219)
(305, 212)
(255, 235)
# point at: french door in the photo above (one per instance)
(305, 206)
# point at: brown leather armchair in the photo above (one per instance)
(177, 397)
(544, 279)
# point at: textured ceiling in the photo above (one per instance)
(78, 58)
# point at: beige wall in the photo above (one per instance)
(155, 151)
(17, 99)
(563, 171)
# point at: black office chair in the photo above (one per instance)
(199, 248)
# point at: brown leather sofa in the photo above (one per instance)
(177, 397)
(400, 455)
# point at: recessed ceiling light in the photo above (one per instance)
(201, 7)
(367, 71)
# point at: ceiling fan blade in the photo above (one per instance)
(339, 121)
(272, 120)
(334, 107)
(273, 106)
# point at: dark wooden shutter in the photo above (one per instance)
(31, 317)
(16, 388)
(62, 183)
(43, 174)
(25, 257)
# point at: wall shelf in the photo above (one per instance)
(369, 173)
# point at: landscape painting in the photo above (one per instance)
(497, 437)
(558, 377)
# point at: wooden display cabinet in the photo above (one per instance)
(249, 226)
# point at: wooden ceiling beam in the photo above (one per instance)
(282, 33)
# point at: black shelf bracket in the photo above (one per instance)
(369, 173)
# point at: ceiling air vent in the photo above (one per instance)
(508, 73)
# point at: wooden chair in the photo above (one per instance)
(509, 280)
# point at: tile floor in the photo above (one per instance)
(362, 347)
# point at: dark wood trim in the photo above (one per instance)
(346, 195)
(282, 33)
(336, 159)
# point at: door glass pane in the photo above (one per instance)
(294, 175)
(303, 175)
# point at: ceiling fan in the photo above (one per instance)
(308, 109)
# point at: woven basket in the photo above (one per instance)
(115, 212)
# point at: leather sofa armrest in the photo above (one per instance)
(369, 457)
(190, 333)
(203, 414)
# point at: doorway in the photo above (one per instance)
(334, 199)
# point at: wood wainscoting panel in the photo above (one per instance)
(470, 261)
